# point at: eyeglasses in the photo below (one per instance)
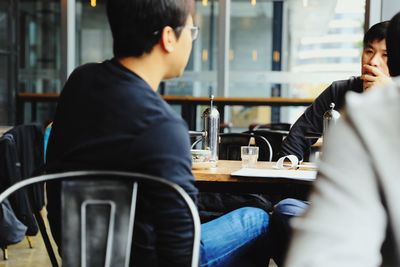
(194, 31)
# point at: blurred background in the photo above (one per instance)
(246, 48)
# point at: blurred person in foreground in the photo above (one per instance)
(374, 71)
(354, 219)
(109, 116)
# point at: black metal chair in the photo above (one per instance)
(98, 213)
(230, 143)
(279, 126)
(275, 138)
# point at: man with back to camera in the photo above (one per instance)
(109, 116)
(374, 71)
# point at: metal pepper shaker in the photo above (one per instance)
(330, 118)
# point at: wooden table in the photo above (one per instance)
(219, 179)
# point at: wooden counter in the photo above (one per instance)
(188, 104)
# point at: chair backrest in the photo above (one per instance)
(275, 138)
(230, 143)
(98, 213)
(281, 126)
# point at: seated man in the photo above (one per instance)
(354, 219)
(374, 71)
(109, 116)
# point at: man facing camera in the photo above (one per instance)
(374, 71)
(109, 116)
(354, 218)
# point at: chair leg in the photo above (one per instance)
(5, 253)
(29, 239)
(46, 239)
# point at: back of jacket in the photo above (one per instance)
(109, 118)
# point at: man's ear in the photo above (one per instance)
(168, 39)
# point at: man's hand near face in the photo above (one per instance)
(373, 76)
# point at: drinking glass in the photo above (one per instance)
(249, 156)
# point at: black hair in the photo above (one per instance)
(393, 45)
(376, 33)
(136, 25)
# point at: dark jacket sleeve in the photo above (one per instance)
(167, 155)
(311, 121)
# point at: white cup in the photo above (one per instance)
(249, 156)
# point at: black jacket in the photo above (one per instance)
(12, 230)
(109, 118)
(22, 150)
(311, 121)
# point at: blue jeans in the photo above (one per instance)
(235, 237)
(280, 229)
(291, 207)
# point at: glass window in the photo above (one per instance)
(3, 89)
(40, 52)
(4, 26)
(250, 46)
(330, 45)
(94, 44)
(93, 38)
(316, 43)
(3, 62)
(315, 36)
(40, 43)
(8, 49)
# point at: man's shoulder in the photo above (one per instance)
(87, 67)
(351, 84)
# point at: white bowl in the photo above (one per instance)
(201, 159)
(200, 155)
